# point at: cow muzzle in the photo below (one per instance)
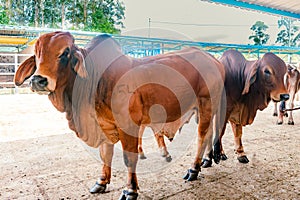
(284, 97)
(38, 83)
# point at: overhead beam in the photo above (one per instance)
(257, 7)
(12, 40)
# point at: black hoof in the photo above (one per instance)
(291, 123)
(206, 163)
(168, 158)
(279, 123)
(217, 152)
(126, 195)
(142, 156)
(223, 157)
(275, 114)
(191, 175)
(217, 158)
(98, 188)
(243, 159)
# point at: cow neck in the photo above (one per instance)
(82, 95)
(68, 95)
(235, 81)
(256, 99)
(64, 94)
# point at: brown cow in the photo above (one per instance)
(107, 95)
(250, 86)
(292, 81)
(167, 129)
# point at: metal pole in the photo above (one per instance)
(149, 27)
(289, 32)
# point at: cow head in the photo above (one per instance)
(271, 72)
(292, 79)
(55, 60)
(54, 52)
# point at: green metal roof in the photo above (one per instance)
(287, 8)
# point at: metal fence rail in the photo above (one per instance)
(140, 47)
(9, 64)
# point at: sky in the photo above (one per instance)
(193, 20)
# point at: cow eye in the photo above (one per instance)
(267, 72)
(65, 53)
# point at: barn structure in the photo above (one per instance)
(16, 42)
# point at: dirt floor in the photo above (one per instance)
(42, 159)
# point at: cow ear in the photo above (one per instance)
(250, 77)
(291, 69)
(25, 70)
(79, 66)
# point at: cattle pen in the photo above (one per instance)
(42, 159)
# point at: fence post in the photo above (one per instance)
(16, 67)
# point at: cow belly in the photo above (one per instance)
(149, 99)
(161, 104)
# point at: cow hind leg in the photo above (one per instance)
(209, 151)
(162, 146)
(140, 142)
(106, 154)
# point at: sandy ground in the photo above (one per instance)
(42, 159)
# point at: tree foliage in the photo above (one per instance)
(3, 16)
(289, 34)
(91, 15)
(259, 36)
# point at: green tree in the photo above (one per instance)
(52, 13)
(3, 16)
(5, 11)
(105, 16)
(259, 36)
(92, 15)
(289, 34)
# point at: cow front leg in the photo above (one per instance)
(130, 155)
(204, 137)
(275, 112)
(208, 156)
(162, 146)
(106, 153)
(218, 150)
(281, 113)
(239, 150)
(291, 106)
